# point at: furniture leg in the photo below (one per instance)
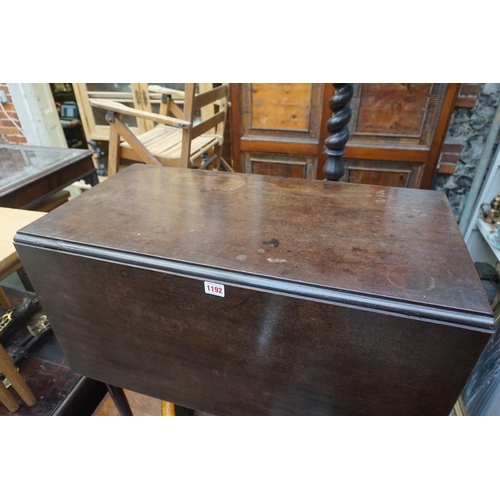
(167, 409)
(8, 368)
(8, 399)
(4, 300)
(218, 152)
(113, 150)
(25, 279)
(120, 400)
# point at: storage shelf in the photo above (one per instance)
(485, 230)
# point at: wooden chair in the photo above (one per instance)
(178, 140)
(11, 220)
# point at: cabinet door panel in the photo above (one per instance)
(396, 130)
(395, 109)
(383, 173)
(276, 128)
(399, 123)
(301, 167)
(286, 111)
(280, 106)
(391, 114)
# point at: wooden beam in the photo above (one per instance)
(210, 96)
(135, 144)
(114, 148)
(203, 127)
(8, 368)
(117, 107)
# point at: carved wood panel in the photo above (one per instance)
(383, 173)
(396, 130)
(301, 167)
(288, 111)
(395, 114)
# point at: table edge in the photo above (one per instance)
(63, 163)
(447, 315)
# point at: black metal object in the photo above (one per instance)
(337, 128)
(14, 317)
(23, 276)
(99, 155)
(83, 399)
(92, 179)
(120, 400)
(20, 350)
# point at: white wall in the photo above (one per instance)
(38, 115)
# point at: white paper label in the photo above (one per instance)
(214, 289)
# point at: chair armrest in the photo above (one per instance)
(118, 107)
(165, 90)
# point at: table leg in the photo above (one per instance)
(25, 280)
(8, 368)
(4, 300)
(8, 399)
(120, 400)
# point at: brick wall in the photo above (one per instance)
(8, 132)
(450, 152)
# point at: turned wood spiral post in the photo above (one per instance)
(337, 128)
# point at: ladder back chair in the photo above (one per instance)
(178, 138)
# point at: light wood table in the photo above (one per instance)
(11, 220)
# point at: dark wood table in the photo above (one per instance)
(239, 294)
(28, 174)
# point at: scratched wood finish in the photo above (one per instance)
(340, 299)
(364, 239)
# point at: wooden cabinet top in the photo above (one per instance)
(397, 251)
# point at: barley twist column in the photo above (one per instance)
(337, 128)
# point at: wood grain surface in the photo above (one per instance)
(28, 174)
(251, 352)
(339, 299)
(11, 220)
(398, 244)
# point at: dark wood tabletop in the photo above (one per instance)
(373, 242)
(339, 299)
(30, 173)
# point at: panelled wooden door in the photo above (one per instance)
(396, 130)
(277, 128)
